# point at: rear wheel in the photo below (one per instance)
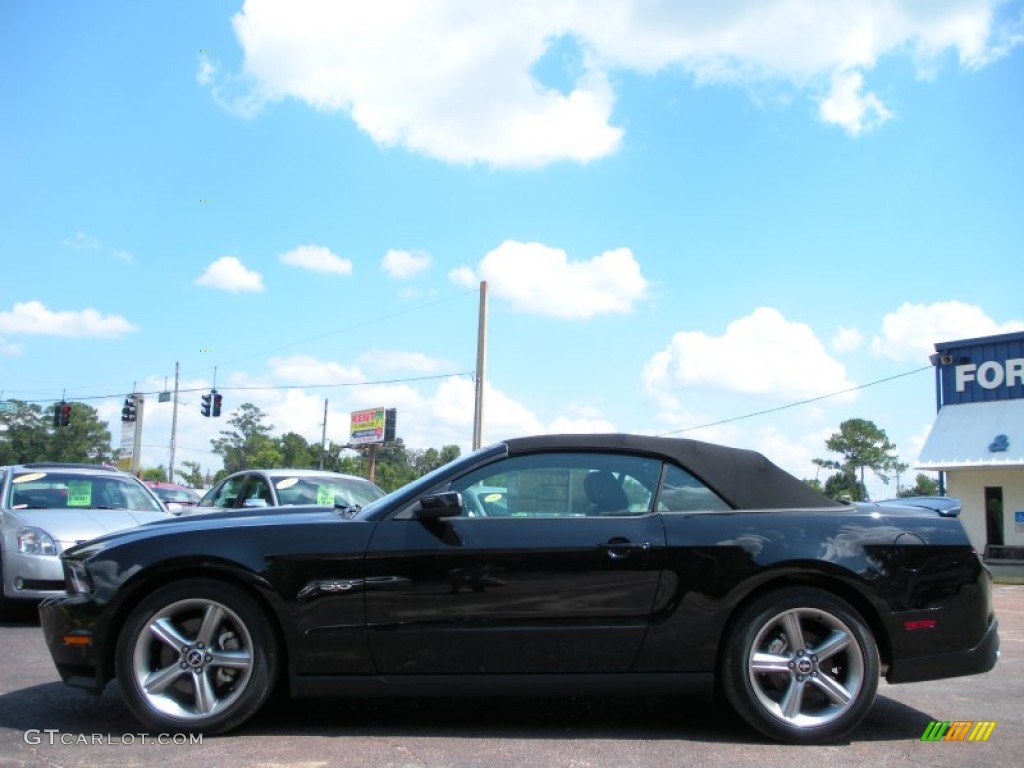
(801, 666)
(197, 656)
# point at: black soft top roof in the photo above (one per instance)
(744, 479)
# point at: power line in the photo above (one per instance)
(272, 387)
(794, 405)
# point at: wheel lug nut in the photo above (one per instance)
(184, 665)
(209, 658)
(792, 665)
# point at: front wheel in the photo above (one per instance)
(801, 666)
(196, 656)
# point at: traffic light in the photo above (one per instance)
(128, 413)
(205, 407)
(217, 397)
(61, 414)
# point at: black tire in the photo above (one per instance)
(800, 665)
(197, 656)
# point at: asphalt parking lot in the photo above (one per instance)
(45, 723)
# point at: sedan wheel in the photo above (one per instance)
(196, 656)
(801, 666)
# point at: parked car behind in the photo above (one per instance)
(253, 488)
(173, 494)
(46, 508)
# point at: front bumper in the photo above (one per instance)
(32, 577)
(71, 628)
(972, 661)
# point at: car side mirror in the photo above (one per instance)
(174, 507)
(439, 505)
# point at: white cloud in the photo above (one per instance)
(33, 317)
(762, 353)
(404, 264)
(304, 369)
(82, 242)
(847, 339)
(541, 280)
(394, 360)
(206, 70)
(464, 276)
(229, 274)
(851, 109)
(317, 258)
(911, 332)
(9, 348)
(459, 80)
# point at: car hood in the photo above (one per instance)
(233, 519)
(70, 526)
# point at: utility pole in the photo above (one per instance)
(174, 425)
(481, 363)
(323, 437)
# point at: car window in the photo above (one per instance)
(179, 495)
(682, 492)
(326, 490)
(256, 493)
(560, 485)
(226, 495)
(57, 490)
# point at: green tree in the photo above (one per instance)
(191, 474)
(155, 474)
(85, 439)
(393, 466)
(430, 459)
(30, 435)
(26, 434)
(863, 446)
(249, 444)
(925, 486)
(844, 486)
(297, 452)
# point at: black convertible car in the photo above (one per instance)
(570, 564)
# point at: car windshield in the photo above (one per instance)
(66, 490)
(326, 490)
(179, 495)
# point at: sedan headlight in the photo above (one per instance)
(35, 541)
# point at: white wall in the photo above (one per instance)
(969, 485)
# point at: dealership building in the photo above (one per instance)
(977, 442)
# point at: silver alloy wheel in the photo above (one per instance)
(192, 659)
(806, 667)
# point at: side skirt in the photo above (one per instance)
(429, 686)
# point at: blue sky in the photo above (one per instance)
(684, 214)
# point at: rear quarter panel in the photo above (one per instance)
(715, 561)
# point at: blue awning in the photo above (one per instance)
(976, 436)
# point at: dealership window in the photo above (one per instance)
(994, 516)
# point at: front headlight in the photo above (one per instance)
(35, 541)
(76, 581)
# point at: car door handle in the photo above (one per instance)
(617, 549)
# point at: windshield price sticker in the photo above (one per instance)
(79, 493)
(324, 495)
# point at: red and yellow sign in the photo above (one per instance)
(367, 426)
